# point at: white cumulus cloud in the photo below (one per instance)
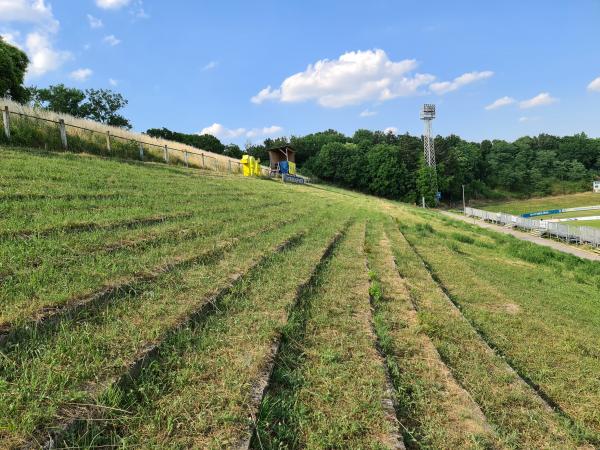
(81, 74)
(367, 113)
(94, 22)
(542, 99)
(113, 82)
(528, 119)
(211, 65)
(594, 86)
(111, 40)
(353, 78)
(38, 41)
(112, 4)
(266, 131)
(29, 11)
(503, 101)
(443, 87)
(392, 130)
(222, 132)
(219, 131)
(43, 57)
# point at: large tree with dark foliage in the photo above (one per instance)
(13, 65)
(101, 105)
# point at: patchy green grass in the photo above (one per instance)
(434, 410)
(489, 342)
(199, 391)
(329, 382)
(538, 309)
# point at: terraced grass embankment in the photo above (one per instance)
(146, 306)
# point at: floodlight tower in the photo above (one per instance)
(427, 115)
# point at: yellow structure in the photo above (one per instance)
(256, 171)
(292, 169)
(246, 165)
(250, 166)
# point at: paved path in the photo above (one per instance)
(565, 248)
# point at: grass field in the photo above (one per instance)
(518, 207)
(543, 203)
(148, 306)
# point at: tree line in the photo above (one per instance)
(392, 166)
(100, 105)
(373, 162)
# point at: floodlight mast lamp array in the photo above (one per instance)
(427, 116)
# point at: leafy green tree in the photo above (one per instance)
(310, 145)
(386, 172)
(426, 185)
(257, 150)
(59, 98)
(13, 66)
(102, 106)
(233, 151)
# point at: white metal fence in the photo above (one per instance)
(569, 233)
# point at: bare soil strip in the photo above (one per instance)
(521, 417)
(260, 386)
(328, 388)
(389, 404)
(434, 409)
(547, 399)
(75, 414)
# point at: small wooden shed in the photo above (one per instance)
(280, 154)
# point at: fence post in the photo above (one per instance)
(63, 133)
(185, 155)
(141, 152)
(229, 161)
(203, 161)
(108, 141)
(166, 154)
(6, 120)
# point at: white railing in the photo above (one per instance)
(569, 233)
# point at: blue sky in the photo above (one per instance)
(193, 66)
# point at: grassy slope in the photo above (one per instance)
(72, 226)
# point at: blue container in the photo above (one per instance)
(284, 167)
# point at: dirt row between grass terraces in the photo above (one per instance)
(520, 417)
(120, 340)
(208, 380)
(434, 410)
(329, 386)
